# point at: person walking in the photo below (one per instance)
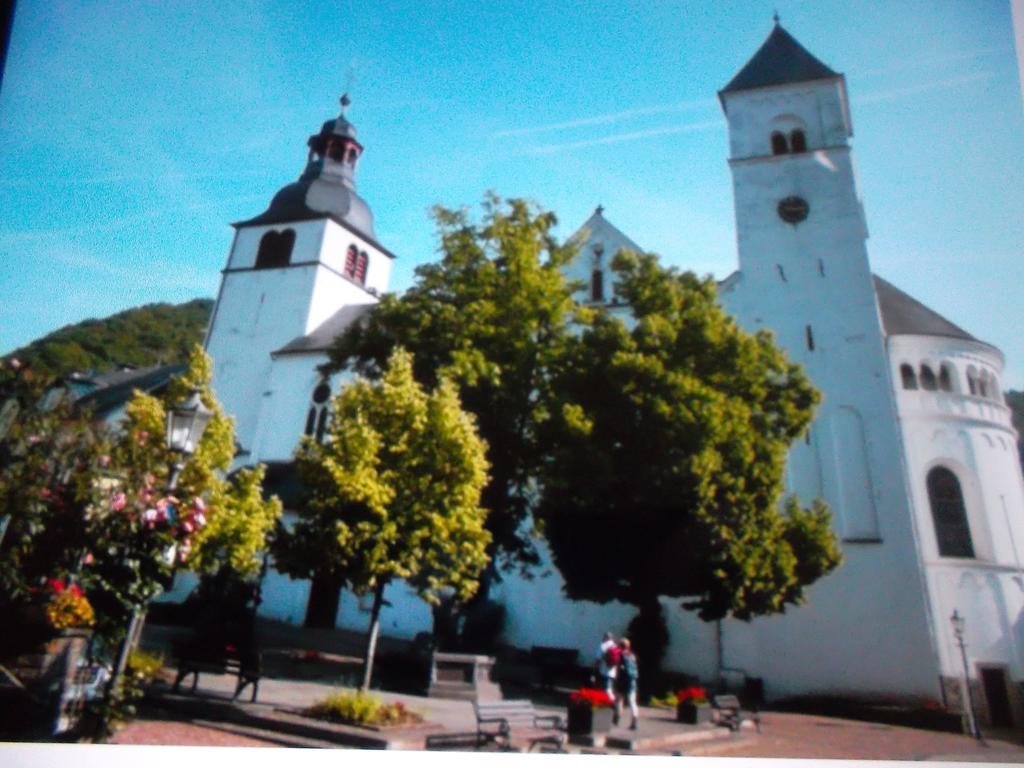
(625, 683)
(607, 663)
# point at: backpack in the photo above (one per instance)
(627, 668)
(612, 656)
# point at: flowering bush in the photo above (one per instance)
(68, 608)
(692, 695)
(591, 697)
(362, 709)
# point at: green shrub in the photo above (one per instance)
(361, 709)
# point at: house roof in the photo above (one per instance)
(115, 388)
(904, 315)
(321, 337)
(780, 60)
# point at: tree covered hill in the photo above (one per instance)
(149, 335)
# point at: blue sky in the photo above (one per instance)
(133, 133)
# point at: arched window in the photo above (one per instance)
(779, 146)
(275, 249)
(361, 264)
(983, 384)
(928, 378)
(945, 378)
(908, 376)
(798, 141)
(949, 514)
(597, 286)
(972, 381)
(351, 255)
(316, 417)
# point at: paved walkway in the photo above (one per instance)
(783, 734)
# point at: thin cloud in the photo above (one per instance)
(935, 85)
(931, 61)
(548, 149)
(35, 181)
(610, 117)
(121, 221)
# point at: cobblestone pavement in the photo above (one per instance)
(809, 736)
(783, 735)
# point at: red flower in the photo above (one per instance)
(694, 694)
(591, 697)
(56, 585)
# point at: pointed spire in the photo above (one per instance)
(779, 61)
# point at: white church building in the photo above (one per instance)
(912, 447)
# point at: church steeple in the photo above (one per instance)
(327, 186)
(780, 60)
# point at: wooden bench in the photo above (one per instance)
(552, 661)
(219, 659)
(502, 722)
(730, 714)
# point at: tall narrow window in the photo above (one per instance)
(810, 338)
(949, 513)
(782, 273)
(972, 381)
(928, 378)
(597, 286)
(821, 267)
(316, 417)
(351, 255)
(908, 376)
(275, 249)
(361, 264)
(797, 141)
(945, 378)
(983, 384)
(779, 146)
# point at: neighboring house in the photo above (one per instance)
(912, 447)
(107, 394)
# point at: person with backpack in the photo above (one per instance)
(607, 663)
(625, 683)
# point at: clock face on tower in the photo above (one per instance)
(793, 209)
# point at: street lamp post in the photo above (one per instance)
(958, 632)
(186, 423)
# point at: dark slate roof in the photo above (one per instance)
(779, 61)
(114, 389)
(322, 336)
(905, 315)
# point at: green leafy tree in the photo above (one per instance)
(669, 454)
(491, 316)
(392, 493)
(149, 335)
(140, 531)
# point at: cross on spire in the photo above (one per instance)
(345, 101)
(775, 17)
(599, 210)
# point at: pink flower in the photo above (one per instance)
(104, 461)
(33, 439)
(15, 363)
(199, 519)
(188, 527)
(88, 559)
(150, 517)
(119, 502)
(198, 505)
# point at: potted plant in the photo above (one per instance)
(590, 711)
(692, 706)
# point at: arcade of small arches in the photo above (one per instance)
(794, 142)
(979, 383)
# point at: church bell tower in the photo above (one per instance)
(290, 272)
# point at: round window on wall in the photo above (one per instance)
(321, 393)
(793, 209)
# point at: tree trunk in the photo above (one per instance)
(371, 640)
(322, 606)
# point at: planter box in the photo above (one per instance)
(585, 721)
(693, 714)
